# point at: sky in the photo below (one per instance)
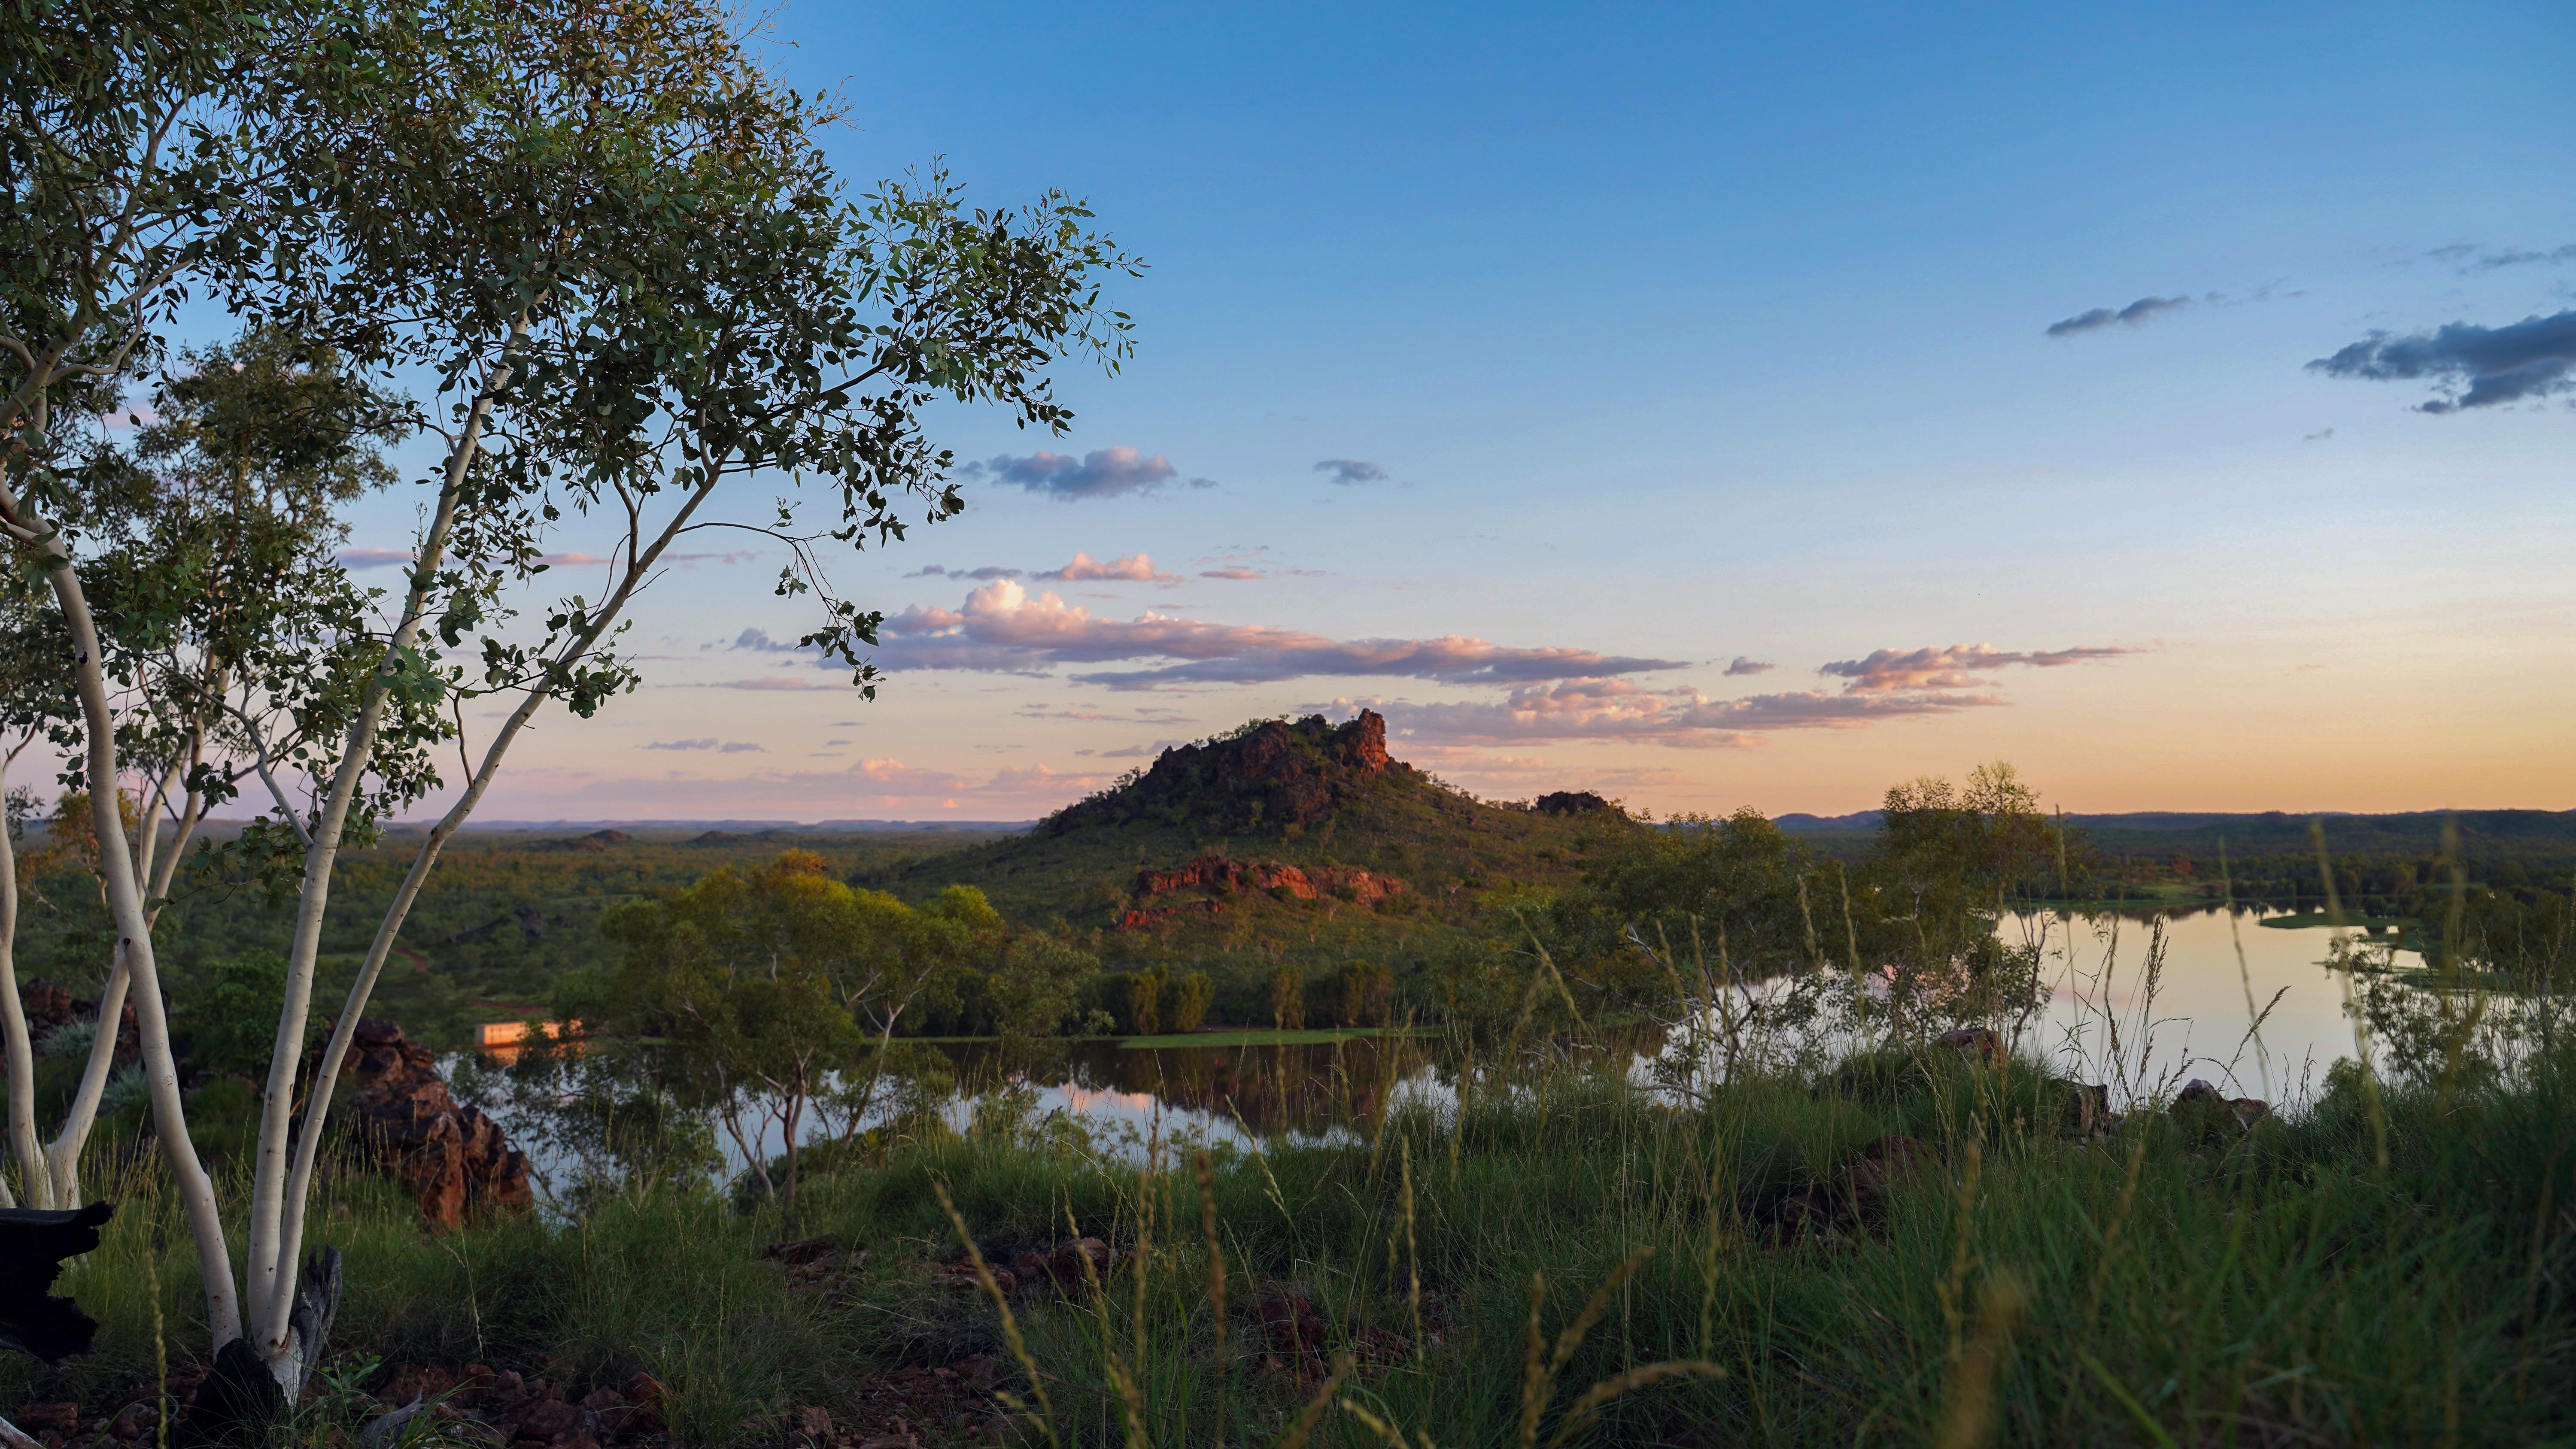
(1711, 406)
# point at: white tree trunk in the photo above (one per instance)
(13, 1027)
(134, 938)
(62, 1156)
(276, 1214)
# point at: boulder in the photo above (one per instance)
(452, 1157)
(2204, 1111)
(1976, 1041)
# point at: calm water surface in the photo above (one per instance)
(2102, 1019)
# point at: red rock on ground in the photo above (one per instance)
(452, 1158)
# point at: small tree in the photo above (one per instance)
(1137, 998)
(1288, 999)
(1185, 1002)
(1362, 991)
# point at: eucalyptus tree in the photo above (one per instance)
(617, 245)
(666, 291)
(205, 552)
(152, 153)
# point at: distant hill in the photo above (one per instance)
(1282, 841)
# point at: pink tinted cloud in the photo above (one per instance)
(1955, 667)
(1134, 568)
(1002, 628)
(1620, 709)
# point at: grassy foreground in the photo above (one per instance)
(2175, 1281)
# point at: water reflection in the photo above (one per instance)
(2112, 1011)
(1301, 1088)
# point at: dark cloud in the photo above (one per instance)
(1102, 473)
(2477, 366)
(373, 558)
(1350, 472)
(2142, 310)
(2319, 436)
(1743, 665)
(726, 747)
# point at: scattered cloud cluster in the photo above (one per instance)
(1889, 684)
(2145, 309)
(2474, 366)
(1889, 670)
(726, 747)
(1254, 563)
(1351, 472)
(2468, 259)
(1134, 568)
(1621, 709)
(1101, 473)
(1003, 628)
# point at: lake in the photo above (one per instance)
(2099, 1021)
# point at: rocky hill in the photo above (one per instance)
(1270, 777)
(1280, 842)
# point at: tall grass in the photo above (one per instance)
(1565, 1257)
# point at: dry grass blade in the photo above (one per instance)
(1534, 1394)
(1010, 1326)
(1382, 1428)
(1216, 1279)
(1588, 1408)
(1539, 1370)
(1572, 1338)
(1303, 1426)
(1131, 1399)
(1969, 1417)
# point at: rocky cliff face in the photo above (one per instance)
(1277, 777)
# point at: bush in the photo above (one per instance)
(1136, 999)
(1185, 1002)
(1287, 999)
(1356, 995)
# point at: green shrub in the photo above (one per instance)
(1136, 999)
(1287, 999)
(1185, 1002)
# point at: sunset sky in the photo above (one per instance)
(1710, 406)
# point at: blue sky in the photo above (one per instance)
(1691, 336)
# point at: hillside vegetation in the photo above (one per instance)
(1323, 800)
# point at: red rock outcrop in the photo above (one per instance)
(1276, 775)
(1307, 883)
(1218, 872)
(452, 1158)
